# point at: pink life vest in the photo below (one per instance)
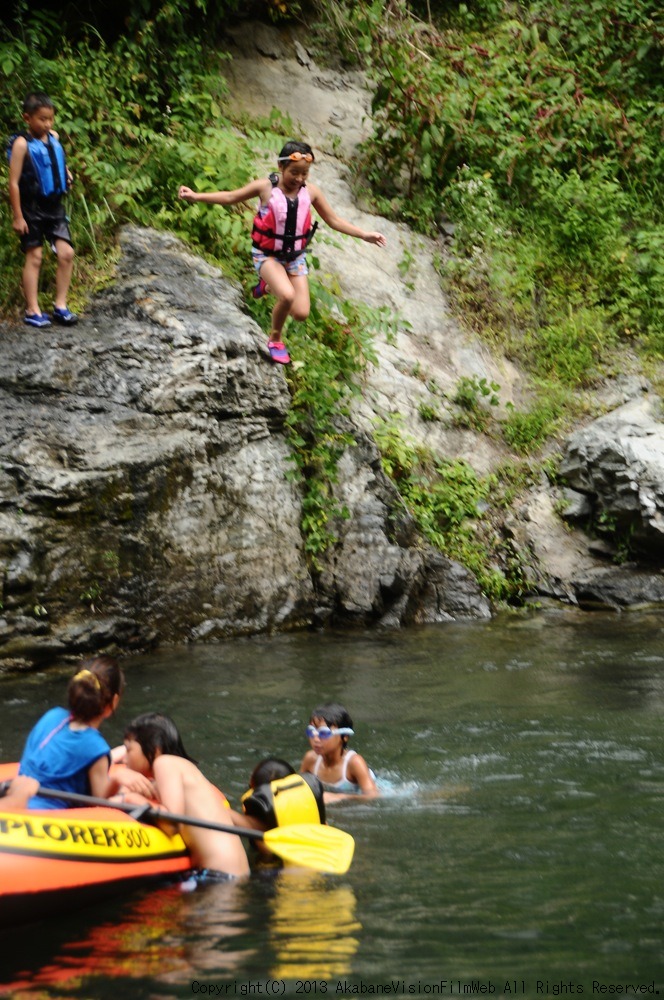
(285, 230)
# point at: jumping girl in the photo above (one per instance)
(281, 232)
(65, 749)
(343, 772)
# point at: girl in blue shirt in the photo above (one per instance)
(65, 749)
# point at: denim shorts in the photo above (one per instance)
(297, 267)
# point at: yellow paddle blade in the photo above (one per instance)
(310, 845)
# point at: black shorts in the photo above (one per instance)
(45, 222)
(203, 876)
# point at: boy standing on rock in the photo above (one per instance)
(38, 181)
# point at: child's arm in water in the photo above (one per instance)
(261, 188)
(358, 771)
(336, 222)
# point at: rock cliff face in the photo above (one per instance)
(143, 493)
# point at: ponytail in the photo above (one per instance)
(93, 688)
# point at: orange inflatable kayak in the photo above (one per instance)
(54, 860)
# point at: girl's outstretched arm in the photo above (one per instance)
(334, 221)
(261, 188)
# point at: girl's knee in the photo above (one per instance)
(300, 311)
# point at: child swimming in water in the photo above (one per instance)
(278, 796)
(344, 773)
(154, 748)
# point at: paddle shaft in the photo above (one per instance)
(141, 812)
(323, 848)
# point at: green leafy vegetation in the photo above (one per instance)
(537, 130)
(470, 393)
(335, 347)
(451, 504)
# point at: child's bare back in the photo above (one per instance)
(182, 788)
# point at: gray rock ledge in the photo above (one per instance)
(143, 487)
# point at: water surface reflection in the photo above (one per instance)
(519, 836)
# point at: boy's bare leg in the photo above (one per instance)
(31, 269)
(63, 274)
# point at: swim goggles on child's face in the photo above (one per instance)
(325, 732)
(307, 157)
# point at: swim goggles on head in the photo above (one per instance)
(297, 155)
(325, 732)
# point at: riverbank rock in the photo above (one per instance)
(597, 540)
(616, 465)
(143, 486)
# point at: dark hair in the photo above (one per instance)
(335, 715)
(154, 731)
(296, 147)
(35, 100)
(269, 770)
(93, 687)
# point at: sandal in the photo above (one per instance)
(260, 290)
(64, 316)
(278, 352)
(37, 319)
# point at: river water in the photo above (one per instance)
(516, 851)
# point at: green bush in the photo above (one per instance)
(526, 431)
(453, 507)
(540, 138)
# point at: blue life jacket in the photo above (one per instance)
(45, 171)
